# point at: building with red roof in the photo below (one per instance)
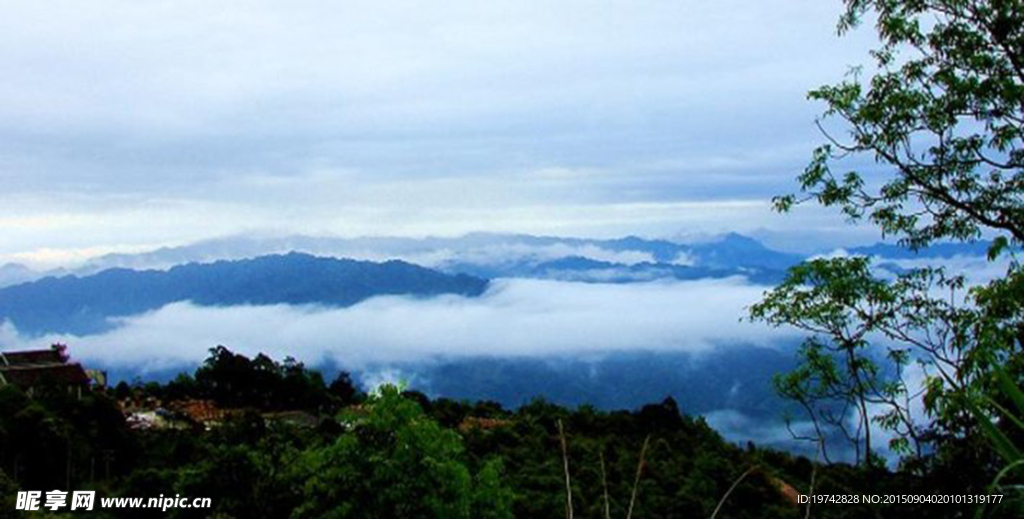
(32, 370)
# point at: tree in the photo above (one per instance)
(943, 113)
(397, 462)
(344, 389)
(233, 380)
(842, 372)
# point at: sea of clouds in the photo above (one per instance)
(514, 317)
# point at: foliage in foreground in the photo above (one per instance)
(395, 454)
(943, 114)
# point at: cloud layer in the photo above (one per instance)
(515, 317)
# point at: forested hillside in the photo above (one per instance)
(275, 440)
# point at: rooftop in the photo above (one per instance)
(55, 375)
(49, 367)
(32, 357)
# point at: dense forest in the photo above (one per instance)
(402, 454)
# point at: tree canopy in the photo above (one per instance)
(934, 138)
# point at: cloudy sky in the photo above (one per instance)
(126, 125)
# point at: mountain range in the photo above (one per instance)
(85, 305)
(509, 255)
(284, 270)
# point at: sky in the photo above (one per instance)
(128, 125)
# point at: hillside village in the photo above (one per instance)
(258, 415)
(35, 371)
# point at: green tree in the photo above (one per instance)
(943, 113)
(233, 380)
(248, 478)
(397, 462)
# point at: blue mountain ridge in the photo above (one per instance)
(83, 305)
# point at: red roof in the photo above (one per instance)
(31, 357)
(54, 375)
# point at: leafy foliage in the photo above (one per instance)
(943, 110)
(402, 454)
(397, 462)
(943, 113)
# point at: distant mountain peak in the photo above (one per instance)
(735, 238)
(83, 305)
(14, 273)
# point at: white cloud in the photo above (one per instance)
(506, 252)
(683, 259)
(975, 269)
(515, 317)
